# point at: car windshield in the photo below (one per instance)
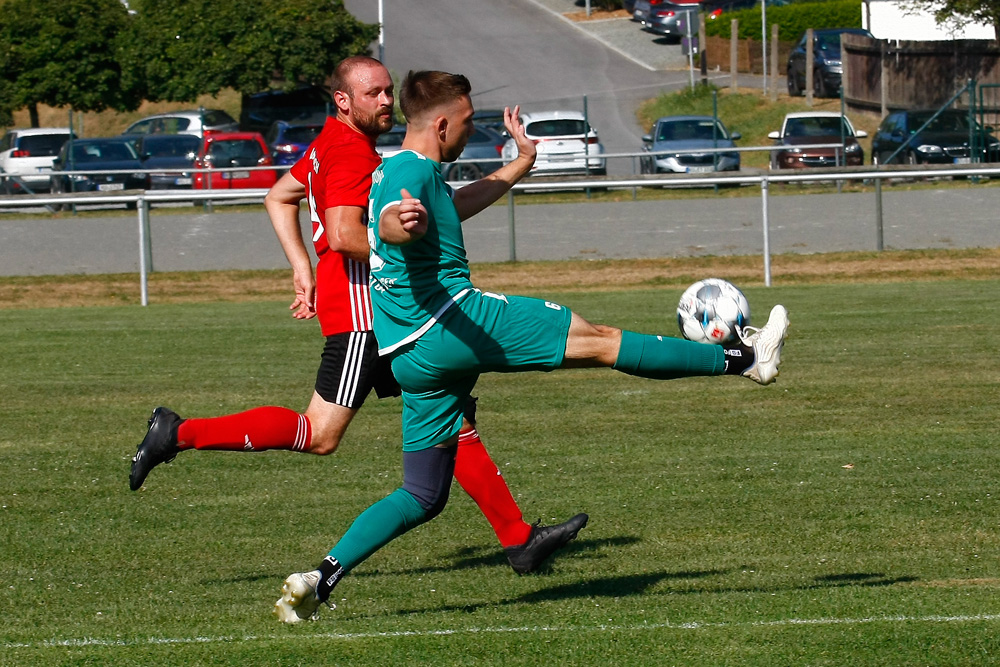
(816, 126)
(111, 152)
(946, 122)
(685, 130)
(39, 145)
(556, 127)
(180, 145)
(302, 134)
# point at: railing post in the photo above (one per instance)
(510, 226)
(764, 196)
(145, 250)
(879, 234)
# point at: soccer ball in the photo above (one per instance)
(710, 310)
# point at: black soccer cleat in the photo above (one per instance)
(542, 542)
(159, 446)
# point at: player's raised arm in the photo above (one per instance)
(475, 197)
(404, 222)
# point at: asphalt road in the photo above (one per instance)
(955, 218)
(524, 52)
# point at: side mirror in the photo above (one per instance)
(735, 136)
(647, 138)
(860, 134)
(774, 135)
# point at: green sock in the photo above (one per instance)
(663, 358)
(376, 526)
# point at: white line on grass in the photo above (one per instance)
(691, 625)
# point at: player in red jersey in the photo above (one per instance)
(334, 177)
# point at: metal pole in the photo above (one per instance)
(879, 233)
(767, 232)
(381, 33)
(687, 21)
(145, 250)
(510, 226)
(763, 36)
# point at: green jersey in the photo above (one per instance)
(413, 285)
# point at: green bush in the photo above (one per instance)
(793, 19)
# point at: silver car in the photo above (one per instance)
(687, 144)
(197, 122)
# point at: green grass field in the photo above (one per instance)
(845, 516)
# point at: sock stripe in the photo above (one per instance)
(300, 443)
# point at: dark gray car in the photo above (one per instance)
(484, 149)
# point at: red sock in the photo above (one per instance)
(253, 431)
(481, 479)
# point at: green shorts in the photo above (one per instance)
(481, 333)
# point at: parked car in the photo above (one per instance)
(827, 65)
(197, 122)
(94, 155)
(670, 19)
(238, 150)
(944, 140)
(816, 127)
(168, 151)
(288, 139)
(485, 146)
(26, 157)
(491, 118)
(391, 142)
(565, 141)
(260, 110)
(683, 133)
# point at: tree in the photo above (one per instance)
(63, 53)
(183, 48)
(960, 11)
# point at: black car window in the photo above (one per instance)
(39, 145)
(302, 134)
(556, 127)
(216, 117)
(116, 152)
(171, 146)
(5, 142)
(236, 149)
(946, 122)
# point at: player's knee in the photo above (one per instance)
(324, 446)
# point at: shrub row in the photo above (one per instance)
(793, 19)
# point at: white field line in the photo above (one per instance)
(692, 625)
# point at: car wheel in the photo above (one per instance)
(646, 165)
(911, 158)
(819, 86)
(8, 187)
(465, 172)
(794, 89)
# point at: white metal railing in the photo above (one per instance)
(142, 199)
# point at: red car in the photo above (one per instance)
(239, 150)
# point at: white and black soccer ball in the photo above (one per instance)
(710, 311)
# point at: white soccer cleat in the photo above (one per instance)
(766, 344)
(298, 600)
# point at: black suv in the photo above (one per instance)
(827, 65)
(945, 140)
(260, 110)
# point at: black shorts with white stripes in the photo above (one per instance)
(351, 368)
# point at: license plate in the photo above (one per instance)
(963, 160)
(699, 170)
(182, 181)
(106, 187)
(235, 174)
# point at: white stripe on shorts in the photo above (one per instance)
(353, 363)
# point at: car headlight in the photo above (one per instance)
(79, 178)
(853, 148)
(929, 148)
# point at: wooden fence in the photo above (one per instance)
(884, 75)
(748, 53)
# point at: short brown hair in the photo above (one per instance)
(340, 79)
(427, 89)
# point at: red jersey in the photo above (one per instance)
(337, 171)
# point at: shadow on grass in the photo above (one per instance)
(639, 584)
(489, 556)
